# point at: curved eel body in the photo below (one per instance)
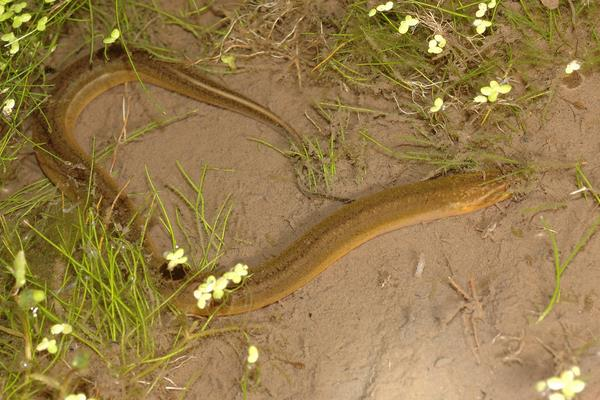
(69, 167)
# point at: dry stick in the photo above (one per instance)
(113, 204)
(123, 135)
(478, 312)
(473, 305)
(458, 289)
(468, 322)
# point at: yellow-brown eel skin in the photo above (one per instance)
(69, 167)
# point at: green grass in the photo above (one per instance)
(100, 285)
(368, 52)
(561, 265)
(99, 281)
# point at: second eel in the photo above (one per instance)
(69, 167)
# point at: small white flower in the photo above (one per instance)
(48, 345)
(555, 383)
(491, 4)
(210, 283)
(385, 7)
(237, 273)
(8, 106)
(252, 354)
(441, 40)
(570, 385)
(114, 35)
(433, 47)
(214, 288)
(381, 8)
(175, 258)
(220, 287)
(229, 60)
(76, 396)
(563, 387)
(482, 10)
(203, 299)
(437, 44)
(241, 269)
(206, 287)
(57, 329)
(490, 93)
(408, 22)
(495, 89)
(481, 25)
(573, 66)
(438, 103)
(232, 276)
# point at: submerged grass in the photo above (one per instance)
(561, 265)
(98, 283)
(81, 271)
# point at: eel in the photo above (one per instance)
(71, 169)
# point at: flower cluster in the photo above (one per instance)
(490, 93)
(563, 387)
(437, 44)
(479, 23)
(175, 258)
(381, 8)
(438, 104)
(573, 66)
(408, 22)
(49, 345)
(252, 355)
(7, 107)
(214, 288)
(112, 37)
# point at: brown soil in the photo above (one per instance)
(368, 327)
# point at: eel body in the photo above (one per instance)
(69, 167)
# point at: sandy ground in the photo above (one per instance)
(368, 328)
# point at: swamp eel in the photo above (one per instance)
(70, 168)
